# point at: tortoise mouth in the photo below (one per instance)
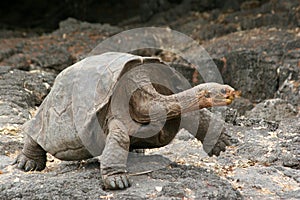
(232, 95)
(222, 101)
(226, 99)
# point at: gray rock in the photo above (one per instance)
(245, 71)
(5, 161)
(60, 184)
(290, 160)
(71, 25)
(260, 181)
(191, 182)
(184, 135)
(272, 110)
(242, 105)
(289, 74)
(290, 91)
(290, 195)
(293, 173)
(53, 57)
(20, 91)
(9, 146)
(289, 132)
(257, 123)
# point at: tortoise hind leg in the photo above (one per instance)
(32, 157)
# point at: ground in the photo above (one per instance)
(257, 51)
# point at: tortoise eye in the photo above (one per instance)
(223, 91)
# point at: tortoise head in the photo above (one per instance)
(214, 94)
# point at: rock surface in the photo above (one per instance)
(272, 110)
(174, 182)
(255, 45)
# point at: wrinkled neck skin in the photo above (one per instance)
(147, 100)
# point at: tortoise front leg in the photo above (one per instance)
(114, 157)
(209, 123)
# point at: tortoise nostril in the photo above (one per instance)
(207, 95)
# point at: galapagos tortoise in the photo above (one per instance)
(78, 119)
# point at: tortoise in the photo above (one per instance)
(79, 119)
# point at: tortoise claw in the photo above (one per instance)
(116, 181)
(28, 164)
(126, 182)
(20, 162)
(112, 184)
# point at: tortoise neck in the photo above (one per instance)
(183, 102)
(147, 104)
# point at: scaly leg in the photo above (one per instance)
(210, 123)
(114, 157)
(32, 157)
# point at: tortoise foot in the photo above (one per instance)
(27, 164)
(116, 181)
(223, 141)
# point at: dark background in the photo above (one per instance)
(47, 14)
